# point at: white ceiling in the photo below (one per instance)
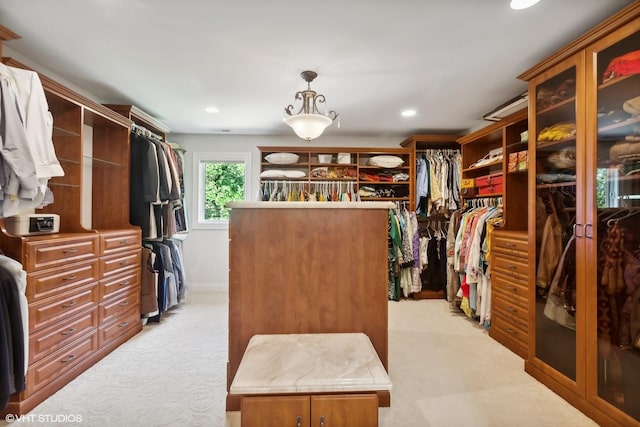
(451, 60)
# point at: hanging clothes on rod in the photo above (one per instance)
(438, 174)
(470, 257)
(28, 156)
(316, 191)
(156, 192)
(14, 329)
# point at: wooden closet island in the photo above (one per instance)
(307, 268)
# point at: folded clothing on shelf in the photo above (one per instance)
(557, 132)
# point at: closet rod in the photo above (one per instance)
(141, 130)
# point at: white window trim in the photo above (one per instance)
(198, 222)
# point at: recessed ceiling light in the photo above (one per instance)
(408, 113)
(522, 4)
(212, 110)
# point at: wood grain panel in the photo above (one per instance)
(307, 271)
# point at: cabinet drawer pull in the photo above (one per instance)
(512, 332)
(510, 245)
(123, 303)
(299, 421)
(512, 288)
(123, 262)
(511, 266)
(125, 283)
(123, 242)
(72, 277)
(69, 304)
(68, 332)
(123, 324)
(68, 359)
(69, 251)
(322, 421)
(511, 309)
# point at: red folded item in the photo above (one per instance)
(368, 177)
(623, 65)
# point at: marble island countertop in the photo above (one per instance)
(311, 205)
(309, 363)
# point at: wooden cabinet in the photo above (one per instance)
(582, 283)
(509, 291)
(491, 177)
(62, 294)
(119, 307)
(321, 246)
(336, 410)
(334, 170)
(83, 283)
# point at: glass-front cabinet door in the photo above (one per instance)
(559, 288)
(613, 209)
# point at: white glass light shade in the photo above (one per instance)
(308, 126)
(522, 4)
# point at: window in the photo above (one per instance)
(220, 178)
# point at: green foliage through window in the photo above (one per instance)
(223, 182)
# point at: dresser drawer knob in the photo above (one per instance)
(124, 303)
(69, 304)
(125, 283)
(512, 332)
(510, 245)
(123, 324)
(123, 242)
(68, 359)
(68, 332)
(70, 251)
(511, 309)
(511, 266)
(72, 277)
(123, 262)
(299, 421)
(512, 288)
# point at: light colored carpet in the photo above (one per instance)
(445, 372)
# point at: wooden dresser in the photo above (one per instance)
(509, 294)
(83, 291)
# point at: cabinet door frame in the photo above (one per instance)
(537, 367)
(593, 80)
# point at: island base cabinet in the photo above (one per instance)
(337, 410)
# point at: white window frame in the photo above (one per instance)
(200, 158)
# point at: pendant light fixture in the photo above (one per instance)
(308, 123)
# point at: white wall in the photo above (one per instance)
(206, 251)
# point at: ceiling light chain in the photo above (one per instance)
(308, 123)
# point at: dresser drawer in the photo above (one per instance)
(510, 243)
(510, 265)
(51, 367)
(48, 311)
(119, 284)
(56, 336)
(41, 254)
(121, 240)
(120, 263)
(107, 310)
(54, 281)
(119, 325)
(507, 338)
(510, 290)
(509, 308)
(511, 327)
(516, 279)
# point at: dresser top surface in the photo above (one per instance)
(308, 363)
